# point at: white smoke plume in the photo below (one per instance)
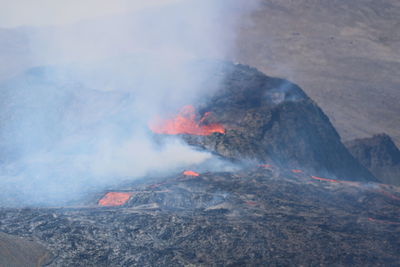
(80, 122)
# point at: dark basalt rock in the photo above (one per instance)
(273, 120)
(378, 154)
(252, 217)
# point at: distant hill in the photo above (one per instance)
(379, 155)
(345, 54)
(15, 251)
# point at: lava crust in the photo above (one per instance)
(253, 217)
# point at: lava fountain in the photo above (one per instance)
(185, 123)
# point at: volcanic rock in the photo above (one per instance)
(379, 155)
(252, 217)
(279, 209)
(272, 120)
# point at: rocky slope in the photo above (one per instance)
(273, 120)
(379, 155)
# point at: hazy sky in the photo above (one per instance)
(14, 13)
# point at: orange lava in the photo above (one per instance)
(265, 166)
(114, 199)
(251, 203)
(297, 171)
(324, 179)
(190, 173)
(185, 123)
(335, 181)
(388, 194)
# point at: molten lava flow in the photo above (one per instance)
(190, 173)
(387, 194)
(336, 181)
(185, 123)
(114, 199)
(265, 166)
(297, 171)
(324, 179)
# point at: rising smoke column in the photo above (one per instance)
(80, 123)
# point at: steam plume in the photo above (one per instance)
(80, 123)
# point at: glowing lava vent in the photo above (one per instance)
(297, 171)
(185, 123)
(114, 199)
(190, 173)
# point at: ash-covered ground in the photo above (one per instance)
(258, 216)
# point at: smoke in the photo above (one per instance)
(80, 123)
(48, 12)
(179, 31)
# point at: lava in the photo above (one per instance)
(297, 171)
(185, 123)
(114, 199)
(190, 173)
(335, 181)
(387, 194)
(324, 179)
(265, 166)
(251, 203)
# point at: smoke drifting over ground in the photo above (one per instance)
(82, 124)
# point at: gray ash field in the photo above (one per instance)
(253, 217)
